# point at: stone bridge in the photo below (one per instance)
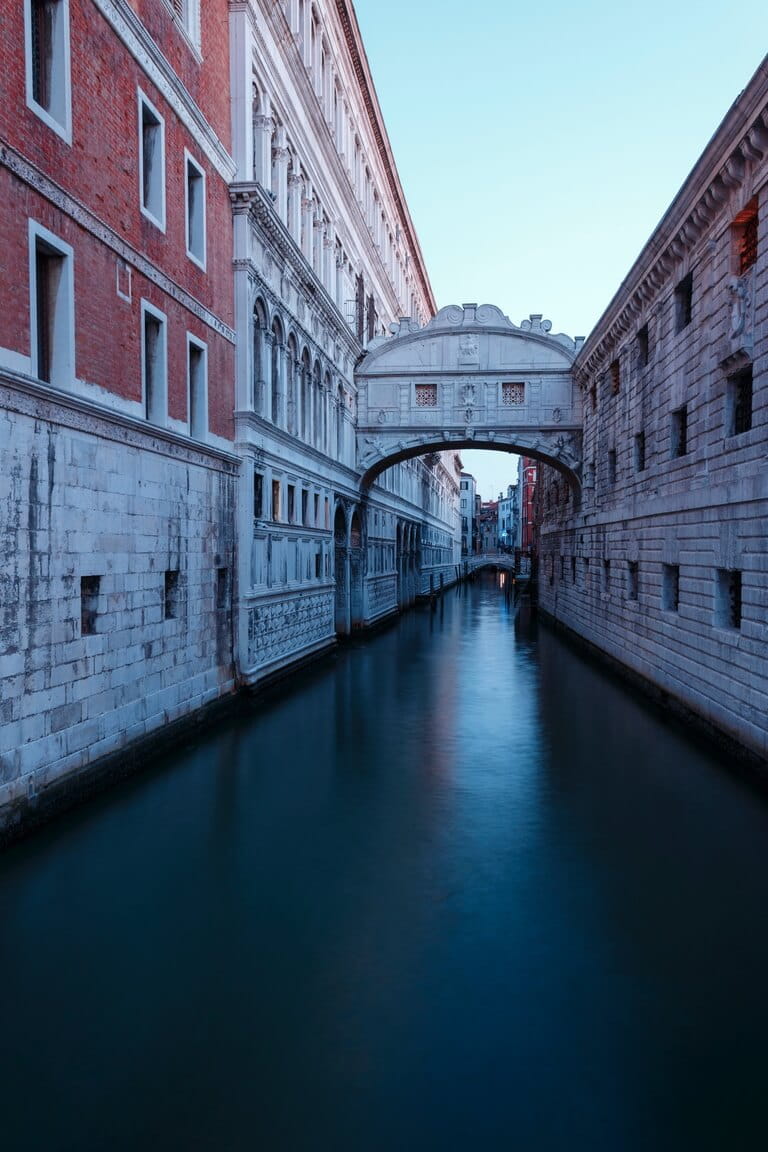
(470, 379)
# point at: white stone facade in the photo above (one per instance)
(326, 260)
(664, 566)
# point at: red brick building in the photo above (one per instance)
(117, 348)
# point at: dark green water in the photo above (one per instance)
(453, 890)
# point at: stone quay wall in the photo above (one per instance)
(664, 564)
(116, 564)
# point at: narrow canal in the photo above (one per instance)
(452, 889)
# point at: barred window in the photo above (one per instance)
(745, 237)
(426, 395)
(512, 394)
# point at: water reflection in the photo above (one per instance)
(454, 889)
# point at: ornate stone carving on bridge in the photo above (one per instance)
(490, 383)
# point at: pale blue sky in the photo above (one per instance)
(539, 145)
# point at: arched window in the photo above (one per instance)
(291, 368)
(316, 404)
(339, 422)
(277, 351)
(305, 394)
(257, 380)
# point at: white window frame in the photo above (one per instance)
(61, 126)
(63, 357)
(188, 21)
(190, 162)
(159, 221)
(161, 401)
(195, 342)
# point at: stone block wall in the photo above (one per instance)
(664, 563)
(116, 581)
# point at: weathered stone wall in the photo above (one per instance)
(87, 494)
(649, 567)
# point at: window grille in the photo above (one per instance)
(426, 395)
(512, 394)
(746, 238)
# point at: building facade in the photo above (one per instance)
(663, 563)
(509, 519)
(467, 502)
(117, 353)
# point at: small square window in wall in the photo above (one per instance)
(679, 432)
(632, 579)
(670, 587)
(195, 205)
(739, 402)
(89, 604)
(640, 452)
(512, 395)
(728, 598)
(643, 347)
(684, 302)
(151, 162)
(48, 84)
(615, 373)
(426, 395)
(611, 466)
(745, 238)
(171, 595)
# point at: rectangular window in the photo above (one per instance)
(195, 205)
(154, 364)
(632, 579)
(640, 452)
(586, 571)
(197, 387)
(562, 568)
(573, 569)
(151, 162)
(593, 396)
(643, 347)
(318, 564)
(89, 604)
(317, 511)
(670, 587)
(745, 238)
(684, 302)
(291, 504)
(679, 432)
(304, 506)
(606, 576)
(52, 311)
(739, 402)
(258, 495)
(46, 26)
(276, 500)
(728, 598)
(171, 595)
(426, 395)
(187, 12)
(615, 371)
(512, 395)
(611, 466)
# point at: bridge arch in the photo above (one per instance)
(470, 378)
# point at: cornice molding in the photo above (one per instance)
(362, 71)
(39, 401)
(732, 159)
(127, 26)
(252, 199)
(77, 211)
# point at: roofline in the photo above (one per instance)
(357, 52)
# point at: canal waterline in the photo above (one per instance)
(455, 888)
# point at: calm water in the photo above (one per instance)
(455, 889)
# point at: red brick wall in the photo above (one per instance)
(100, 169)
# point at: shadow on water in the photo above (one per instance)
(454, 888)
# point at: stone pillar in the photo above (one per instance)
(240, 53)
(329, 244)
(280, 160)
(339, 277)
(307, 224)
(262, 369)
(267, 404)
(295, 184)
(318, 227)
(263, 127)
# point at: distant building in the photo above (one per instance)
(508, 523)
(526, 486)
(488, 526)
(467, 502)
